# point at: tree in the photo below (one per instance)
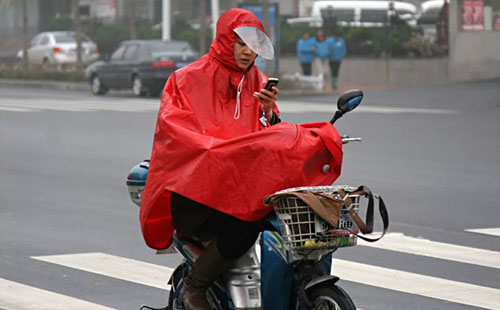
(133, 20)
(77, 28)
(25, 34)
(267, 27)
(203, 27)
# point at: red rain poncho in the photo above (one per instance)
(201, 151)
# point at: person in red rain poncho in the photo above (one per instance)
(220, 147)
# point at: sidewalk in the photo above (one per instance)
(84, 86)
(60, 85)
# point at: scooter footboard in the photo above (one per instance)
(243, 281)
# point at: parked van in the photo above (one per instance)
(433, 25)
(359, 13)
(430, 12)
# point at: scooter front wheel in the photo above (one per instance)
(175, 285)
(330, 298)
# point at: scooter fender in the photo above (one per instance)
(276, 273)
(320, 281)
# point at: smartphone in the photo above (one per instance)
(270, 83)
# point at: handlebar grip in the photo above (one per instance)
(347, 140)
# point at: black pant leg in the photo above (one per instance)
(306, 68)
(188, 215)
(334, 67)
(234, 236)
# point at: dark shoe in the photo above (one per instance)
(193, 298)
(204, 272)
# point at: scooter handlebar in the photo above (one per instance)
(346, 140)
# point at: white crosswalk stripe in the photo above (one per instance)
(397, 280)
(16, 296)
(148, 105)
(486, 231)
(462, 254)
(114, 266)
(463, 293)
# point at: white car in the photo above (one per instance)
(58, 49)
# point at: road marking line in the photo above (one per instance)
(143, 105)
(114, 266)
(47, 106)
(78, 105)
(486, 231)
(394, 110)
(126, 105)
(18, 296)
(406, 282)
(298, 107)
(462, 254)
(15, 109)
(80, 108)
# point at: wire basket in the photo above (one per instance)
(302, 229)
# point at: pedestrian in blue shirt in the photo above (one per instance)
(338, 51)
(322, 52)
(305, 52)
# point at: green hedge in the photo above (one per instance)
(72, 76)
(368, 42)
(398, 41)
(107, 37)
(183, 31)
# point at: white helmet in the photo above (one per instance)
(256, 40)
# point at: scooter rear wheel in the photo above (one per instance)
(330, 298)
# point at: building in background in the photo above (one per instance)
(41, 13)
(474, 39)
(470, 27)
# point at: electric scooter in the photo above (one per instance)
(289, 267)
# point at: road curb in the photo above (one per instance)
(79, 86)
(84, 86)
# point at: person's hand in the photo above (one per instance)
(267, 99)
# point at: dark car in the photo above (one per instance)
(143, 65)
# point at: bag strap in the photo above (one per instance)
(368, 227)
(309, 198)
(319, 203)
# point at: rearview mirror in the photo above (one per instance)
(349, 100)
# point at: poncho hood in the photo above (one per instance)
(222, 47)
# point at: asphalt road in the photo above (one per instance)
(433, 153)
